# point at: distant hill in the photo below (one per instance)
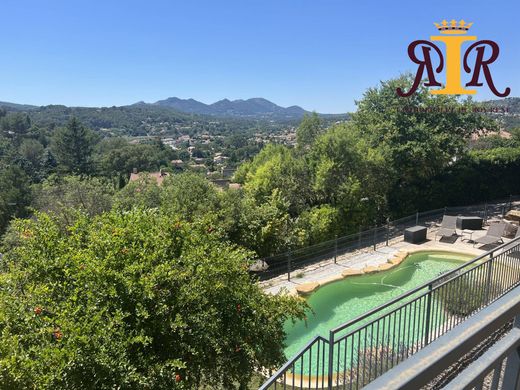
(512, 103)
(190, 106)
(17, 107)
(174, 116)
(124, 120)
(251, 108)
(143, 119)
(511, 119)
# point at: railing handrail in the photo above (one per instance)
(352, 235)
(291, 361)
(426, 291)
(416, 289)
(281, 258)
(417, 298)
(479, 369)
(417, 370)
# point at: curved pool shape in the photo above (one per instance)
(344, 300)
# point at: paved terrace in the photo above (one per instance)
(327, 271)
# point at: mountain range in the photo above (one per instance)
(176, 115)
(255, 108)
(250, 108)
(171, 116)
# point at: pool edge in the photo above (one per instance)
(394, 260)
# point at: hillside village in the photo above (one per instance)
(204, 153)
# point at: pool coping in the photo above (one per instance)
(305, 289)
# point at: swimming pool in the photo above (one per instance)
(341, 301)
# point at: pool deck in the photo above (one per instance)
(365, 259)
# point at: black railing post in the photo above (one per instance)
(503, 211)
(331, 360)
(387, 230)
(428, 313)
(489, 275)
(416, 218)
(359, 238)
(485, 213)
(510, 202)
(289, 266)
(335, 249)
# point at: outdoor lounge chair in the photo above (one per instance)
(493, 235)
(448, 226)
(515, 253)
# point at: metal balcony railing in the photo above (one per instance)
(290, 261)
(497, 368)
(359, 351)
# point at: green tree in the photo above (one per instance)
(15, 194)
(143, 193)
(32, 153)
(515, 135)
(493, 141)
(266, 227)
(134, 300)
(318, 224)
(115, 158)
(308, 130)
(189, 195)
(15, 124)
(278, 168)
(63, 197)
(420, 139)
(72, 146)
(345, 169)
(419, 142)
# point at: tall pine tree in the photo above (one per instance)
(72, 147)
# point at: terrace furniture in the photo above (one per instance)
(515, 253)
(415, 234)
(468, 233)
(513, 215)
(510, 229)
(493, 235)
(471, 223)
(448, 226)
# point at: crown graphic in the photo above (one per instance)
(453, 27)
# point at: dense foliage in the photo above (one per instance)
(135, 300)
(395, 156)
(387, 162)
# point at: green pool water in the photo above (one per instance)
(339, 302)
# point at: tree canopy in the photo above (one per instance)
(308, 130)
(133, 300)
(73, 147)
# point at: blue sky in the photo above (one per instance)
(320, 55)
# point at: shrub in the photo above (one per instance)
(466, 295)
(133, 300)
